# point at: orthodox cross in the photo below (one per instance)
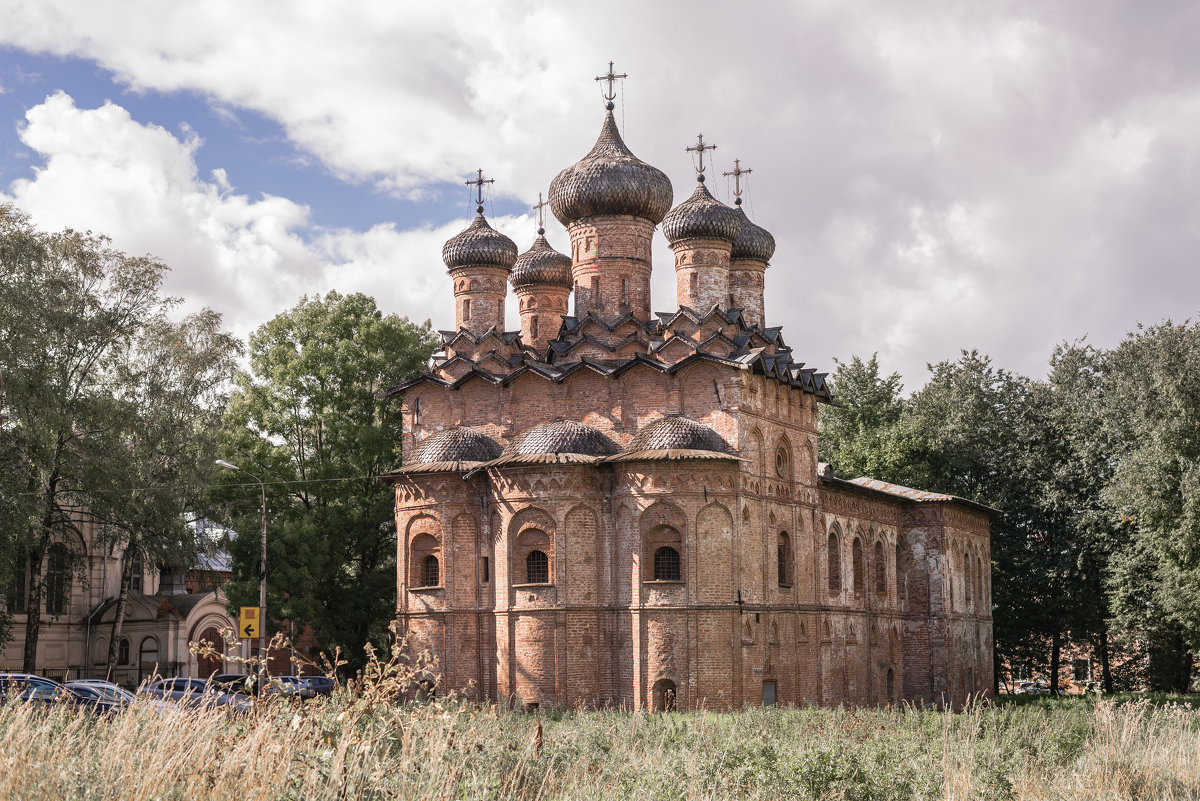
(478, 184)
(541, 204)
(700, 148)
(737, 172)
(611, 78)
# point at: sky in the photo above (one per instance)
(1000, 176)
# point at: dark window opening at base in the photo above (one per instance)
(485, 569)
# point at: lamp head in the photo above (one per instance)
(227, 465)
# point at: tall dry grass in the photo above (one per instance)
(369, 744)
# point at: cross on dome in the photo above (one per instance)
(700, 147)
(737, 172)
(541, 204)
(611, 78)
(478, 183)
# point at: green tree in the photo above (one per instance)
(307, 420)
(868, 432)
(1152, 409)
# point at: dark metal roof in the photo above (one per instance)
(754, 242)
(678, 433)
(610, 180)
(542, 264)
(458, 444)
(701, 216)
(561, 436)
(479, 245)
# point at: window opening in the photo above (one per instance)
(666, 564)
(860, 571)
(596, 291)
(834, 566)
(486, 568)
(466, 309)
(123, 651)
(784, 555)
(58, 580)
(880, 570)
(135, 581)
(694, 285)
(533, 327)
(429, 571)
(537, 568)
(664, 695)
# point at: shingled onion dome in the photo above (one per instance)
(754, 242)
(458, 444)
(610, 180)
(479, 245)
(541, 264)
(702, 216)
(678, 433)
(561, 436)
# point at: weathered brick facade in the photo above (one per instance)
(631, 511)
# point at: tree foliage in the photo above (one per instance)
(306, 419)
(106, 403)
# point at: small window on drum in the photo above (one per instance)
(429, 571)
(537, 568)
(666, 564)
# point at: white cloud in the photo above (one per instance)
(247, 258)
(992, 176)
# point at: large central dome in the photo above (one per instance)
(610, 180)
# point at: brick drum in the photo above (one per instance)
(627, 509)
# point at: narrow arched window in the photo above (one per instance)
(135, 579)
(834, 566)
(123, 651)
(979, 579)
(694, 285)
(533, 327)
(466, 309)
(783, 549)
(537, 568)
(430, 574)
(666, 564)
(966, 577)
(860, 568)
(880, 569)
(58, 580)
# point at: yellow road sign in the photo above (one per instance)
(248, 622)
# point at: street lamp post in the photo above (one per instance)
(262, 577)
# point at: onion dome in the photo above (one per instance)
(610, 180)
(701, 216)
(458, 444)
(542, 264)
(678, 433)
(561, 436)
(479, 245)
(754, 242)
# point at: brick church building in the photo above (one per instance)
(612, 506)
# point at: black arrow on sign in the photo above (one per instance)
(248, 630)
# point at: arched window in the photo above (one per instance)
(135, 578)
(662, 554)
(466, 309)
(966, 578)
(533, 327)
(979, 579)
(664, 695)
(782, 463)
(891, 686)
(123, 651)
(430, 574)
(148, 656)
(783, 550)
(423, 548)
(860, 567)
(537, 568)
(880, 569)
(694, 285)
(834, 567)
(58, 580)
(666, 564)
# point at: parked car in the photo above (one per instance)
(320, 685)
(285, 686)
(195, 693)
(47, 693)
(1032, 688)
(107, 691)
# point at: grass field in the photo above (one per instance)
(366, 746)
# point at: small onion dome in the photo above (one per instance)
(561, 436)
(542, 264)
(458, 444)
(610, 180)
(701, 216)
(678, 433)
(479, 245)
(754, 242)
